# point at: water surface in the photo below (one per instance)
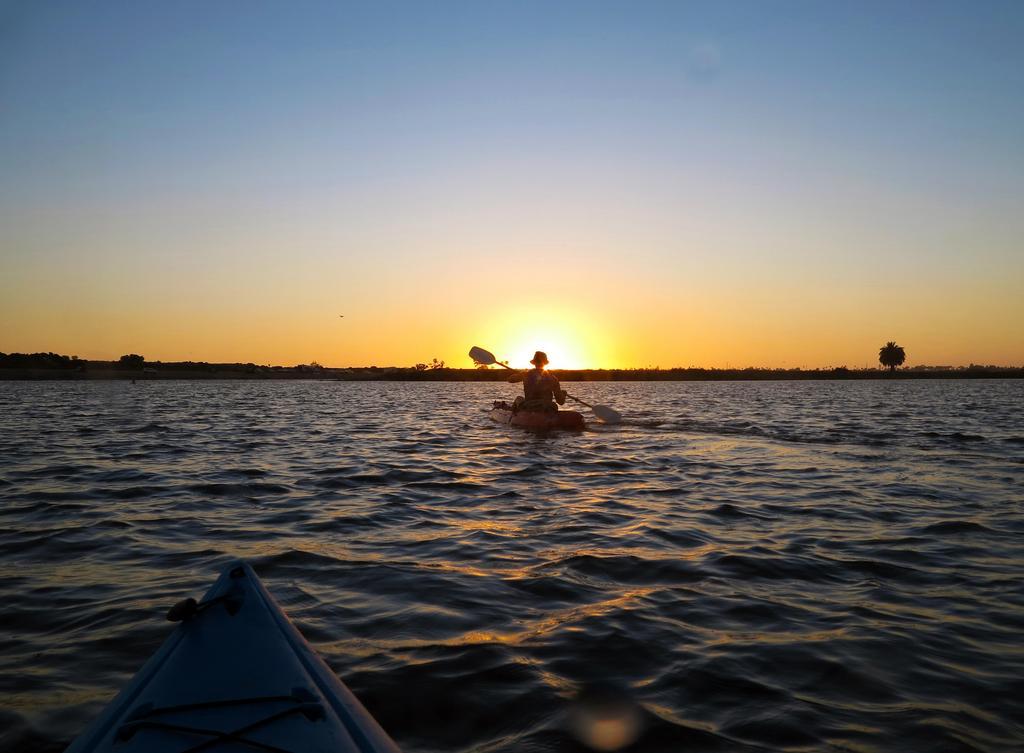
(756, 565)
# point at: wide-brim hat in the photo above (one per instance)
(539, 358)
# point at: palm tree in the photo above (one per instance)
(891, 355)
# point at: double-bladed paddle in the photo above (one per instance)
(603, 412)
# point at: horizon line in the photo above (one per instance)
(652, 367)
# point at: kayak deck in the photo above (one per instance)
(542, 420)
(235, 675)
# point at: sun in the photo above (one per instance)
(563, 350)
(569, 339)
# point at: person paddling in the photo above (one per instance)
(541, 389)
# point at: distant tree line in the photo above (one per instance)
(39, 361)
(54, 365)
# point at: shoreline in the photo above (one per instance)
(220, 372)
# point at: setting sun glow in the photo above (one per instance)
(569, 339)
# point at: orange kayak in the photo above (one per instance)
(543, 420)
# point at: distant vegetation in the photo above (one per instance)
(134, 366)
(131, 361)
(432, 366)
(40, 361)
(891, 355)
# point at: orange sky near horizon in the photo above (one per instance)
(582, 321)
(617, 292)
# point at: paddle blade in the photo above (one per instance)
(481, 356)
(606, 414)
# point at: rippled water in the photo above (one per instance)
(758, 566)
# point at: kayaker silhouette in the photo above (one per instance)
(541, 389)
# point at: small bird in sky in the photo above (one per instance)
(341, 316)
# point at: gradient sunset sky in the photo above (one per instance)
(621, 184)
